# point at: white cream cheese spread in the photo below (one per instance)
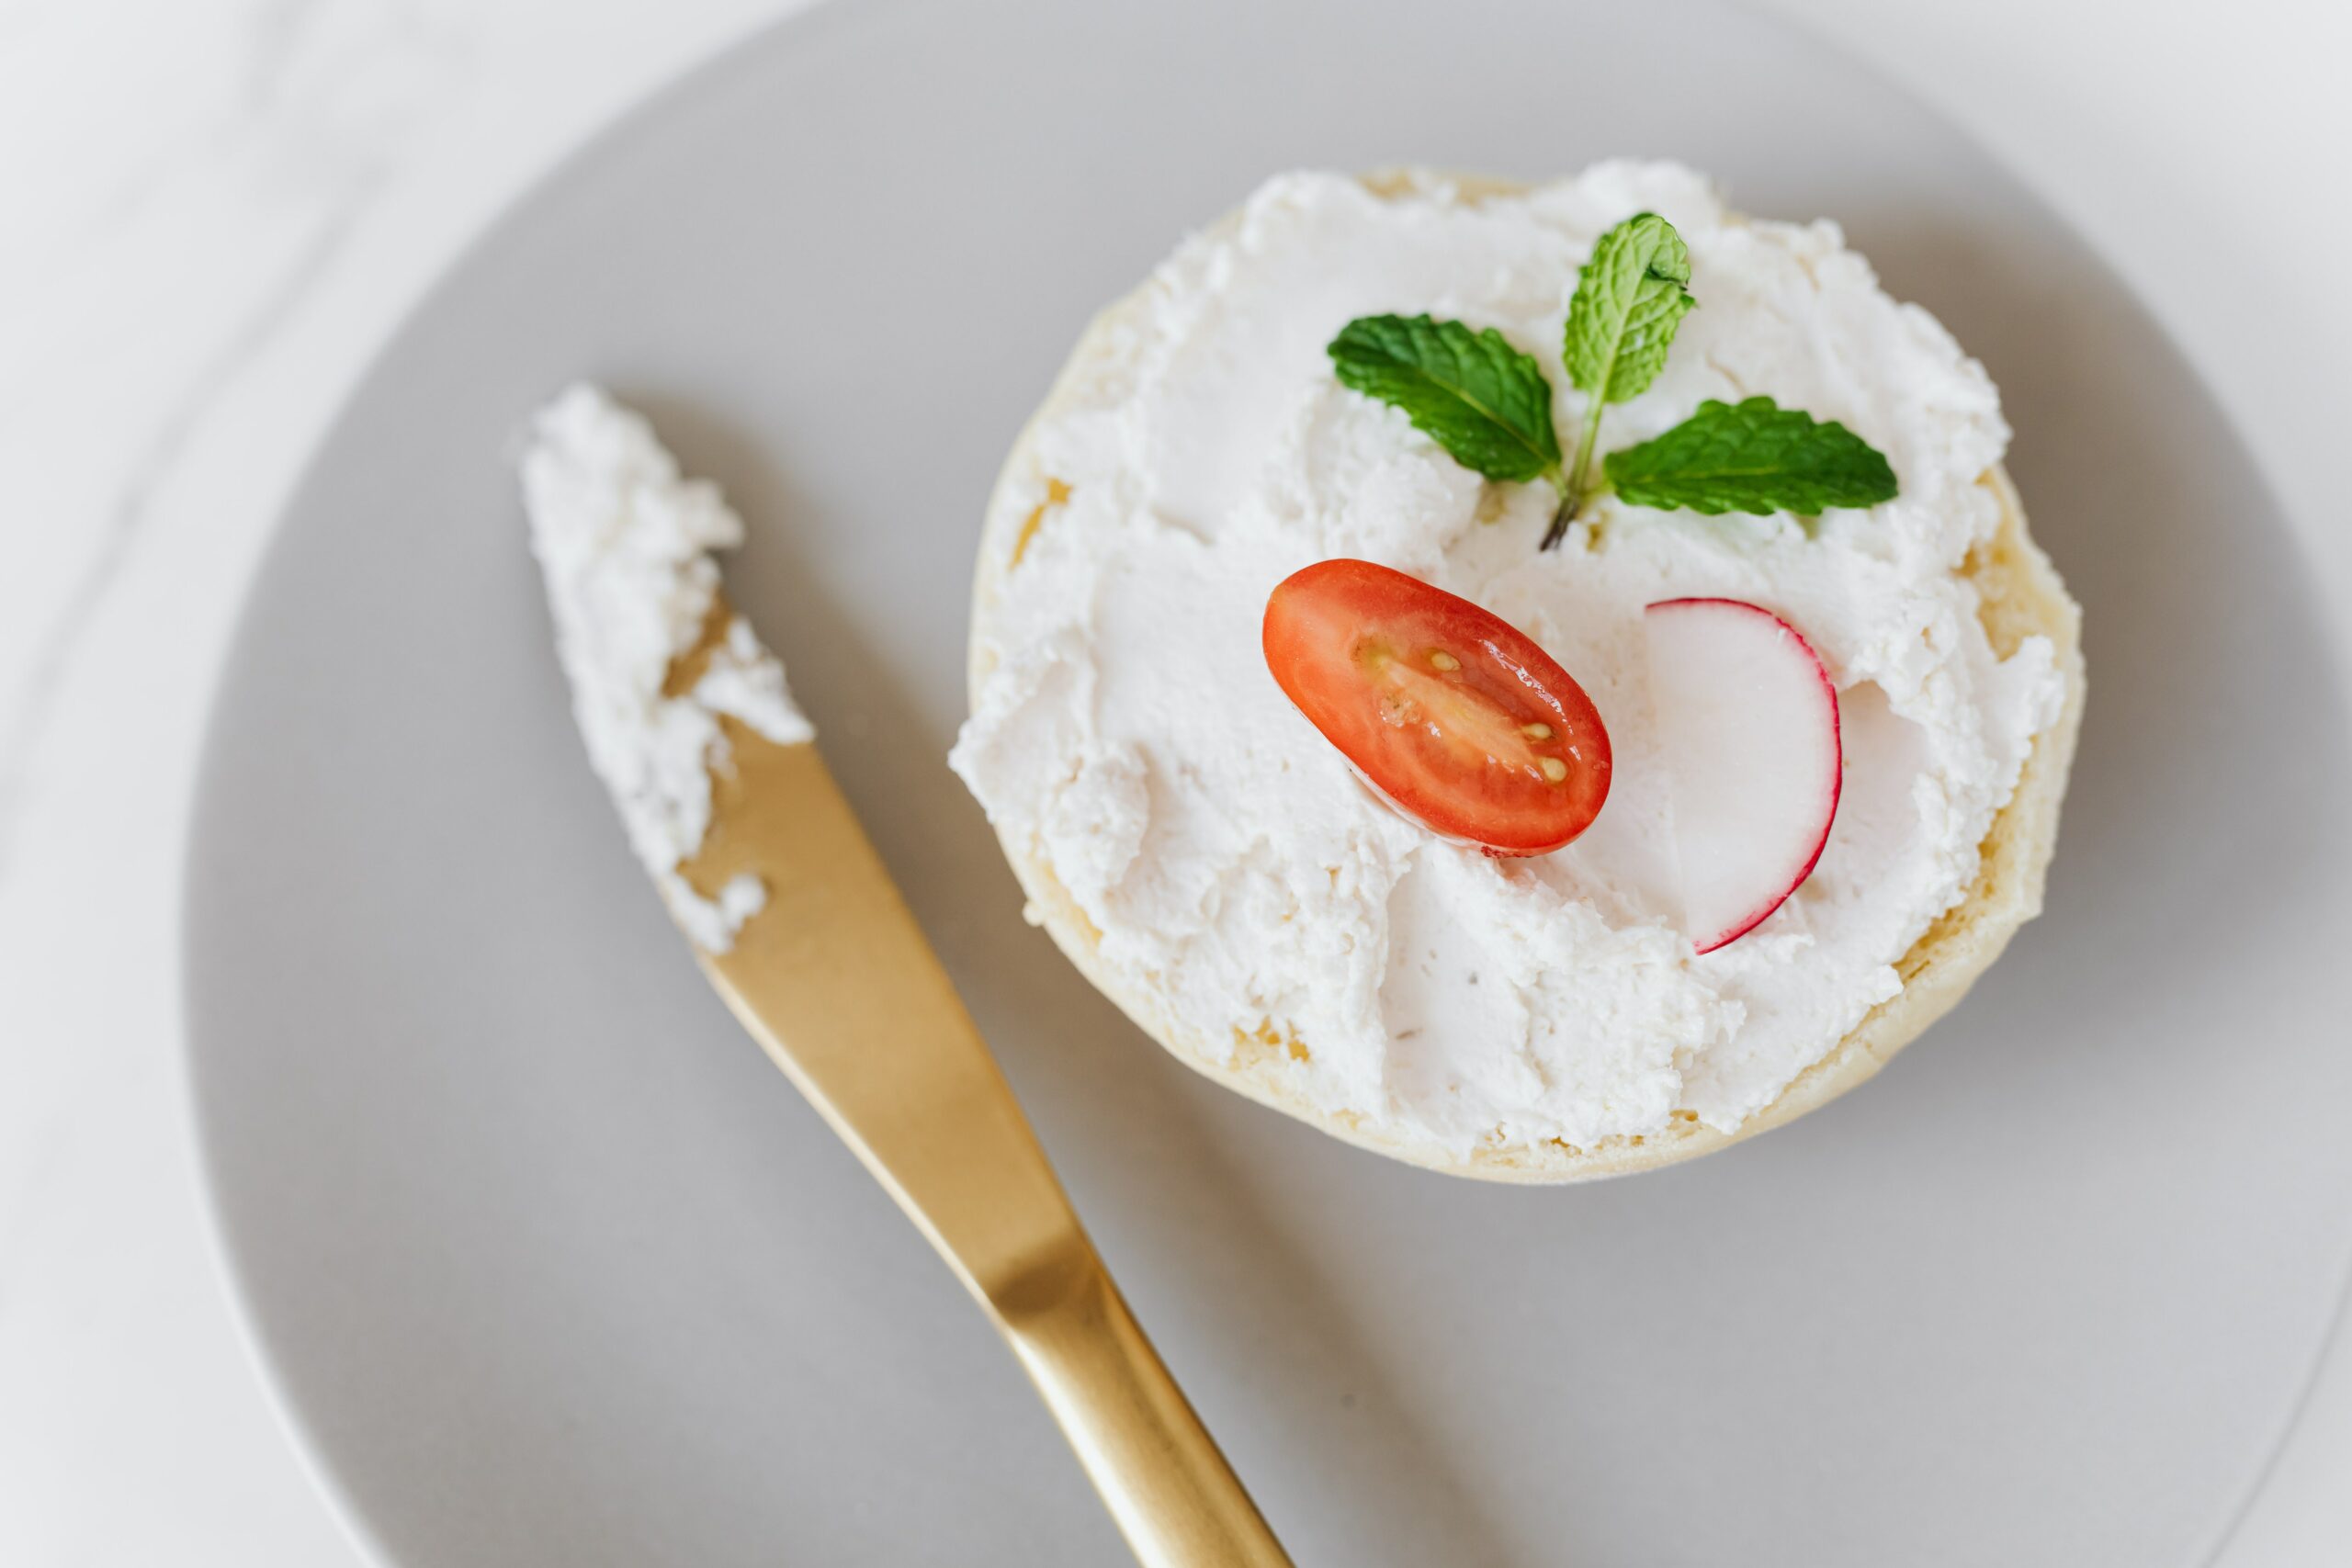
(1128, 734)
(625, 543)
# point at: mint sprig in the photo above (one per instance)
(1631, 295)
(1472, 392)
(1752, 456)
(1489, 405)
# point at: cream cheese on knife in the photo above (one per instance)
(625, 543)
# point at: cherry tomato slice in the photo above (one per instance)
(1450, 711)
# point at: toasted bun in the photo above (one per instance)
(2020, 596)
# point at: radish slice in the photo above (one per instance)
(1748, 720)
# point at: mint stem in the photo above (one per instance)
(1572, 493)
(1560, 519)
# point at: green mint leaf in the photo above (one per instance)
(1474, 394)
(1630, 296)
(1754, 457)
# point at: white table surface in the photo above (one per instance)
(212, 212)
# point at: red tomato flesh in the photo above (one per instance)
(1450, 711)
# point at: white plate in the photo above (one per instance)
(551, 1268)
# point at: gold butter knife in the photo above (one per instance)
(833, 978)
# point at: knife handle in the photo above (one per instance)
(834, 980)
(1160, 1473)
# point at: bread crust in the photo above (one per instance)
(2020, 596)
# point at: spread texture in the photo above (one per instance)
(1240, 885)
